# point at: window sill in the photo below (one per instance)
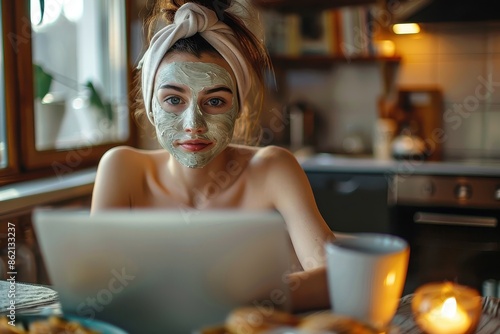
(24, 196)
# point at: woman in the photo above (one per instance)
(198, 84)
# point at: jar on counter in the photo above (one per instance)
(384, 132)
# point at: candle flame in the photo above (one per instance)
(449, 308)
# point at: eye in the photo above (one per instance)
(215, 102)
(173, 100)
(172, 103)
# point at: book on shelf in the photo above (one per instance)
(357, 31)
(317, 33)
(280, 37)
(346, 31)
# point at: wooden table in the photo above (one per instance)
(36, 299)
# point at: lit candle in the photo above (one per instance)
(446, 308)
(446, 319)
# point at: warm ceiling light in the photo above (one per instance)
(406, 28)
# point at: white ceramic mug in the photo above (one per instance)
(366, 275)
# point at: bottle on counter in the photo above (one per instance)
(384, 132)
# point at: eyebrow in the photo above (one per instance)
(218, 89)
(176, 88)
(208, 91)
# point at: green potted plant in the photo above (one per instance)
(49, 110)
(43, 81)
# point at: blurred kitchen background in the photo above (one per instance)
(344, 69)
(456, 59)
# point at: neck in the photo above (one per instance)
(200, 185)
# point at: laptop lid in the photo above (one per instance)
(164, 271)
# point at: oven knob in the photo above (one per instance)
(428, 189)
(463, 191)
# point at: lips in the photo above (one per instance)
(194, 145)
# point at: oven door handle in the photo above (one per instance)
(446, 219)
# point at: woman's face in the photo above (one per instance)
(195, 107)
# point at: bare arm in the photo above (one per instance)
(294, 199)
(309, 290)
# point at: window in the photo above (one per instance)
(79, 54)
(67, 91)
(3, 128)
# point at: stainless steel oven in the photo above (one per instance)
(452, 225)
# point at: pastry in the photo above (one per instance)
(328, 322)
(253, 320)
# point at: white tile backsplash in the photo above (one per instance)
(458, 75)
(494, 38)
(346, 97)
(419, 44)
(461, 60)
(492, 132)
(466, 139)
(354, 93)
(309, 86)
(493, 74)
(418, 70)
(462, 41)
(463, 128)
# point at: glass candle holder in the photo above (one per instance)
(446, 308)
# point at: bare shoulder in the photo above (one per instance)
(125, 162)
(273, 152)
(126, 157)
(272, 165)
(119, 175)
(275, 158)
(120, 154)
(262, 159)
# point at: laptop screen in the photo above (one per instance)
(164, 271)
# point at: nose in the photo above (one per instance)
(194, 121)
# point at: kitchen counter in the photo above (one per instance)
(325, 162)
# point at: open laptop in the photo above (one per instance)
(164, 271)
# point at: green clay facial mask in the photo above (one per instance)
(195, 109)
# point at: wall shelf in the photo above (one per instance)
(322, 61)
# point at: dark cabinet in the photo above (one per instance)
(351, 202)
